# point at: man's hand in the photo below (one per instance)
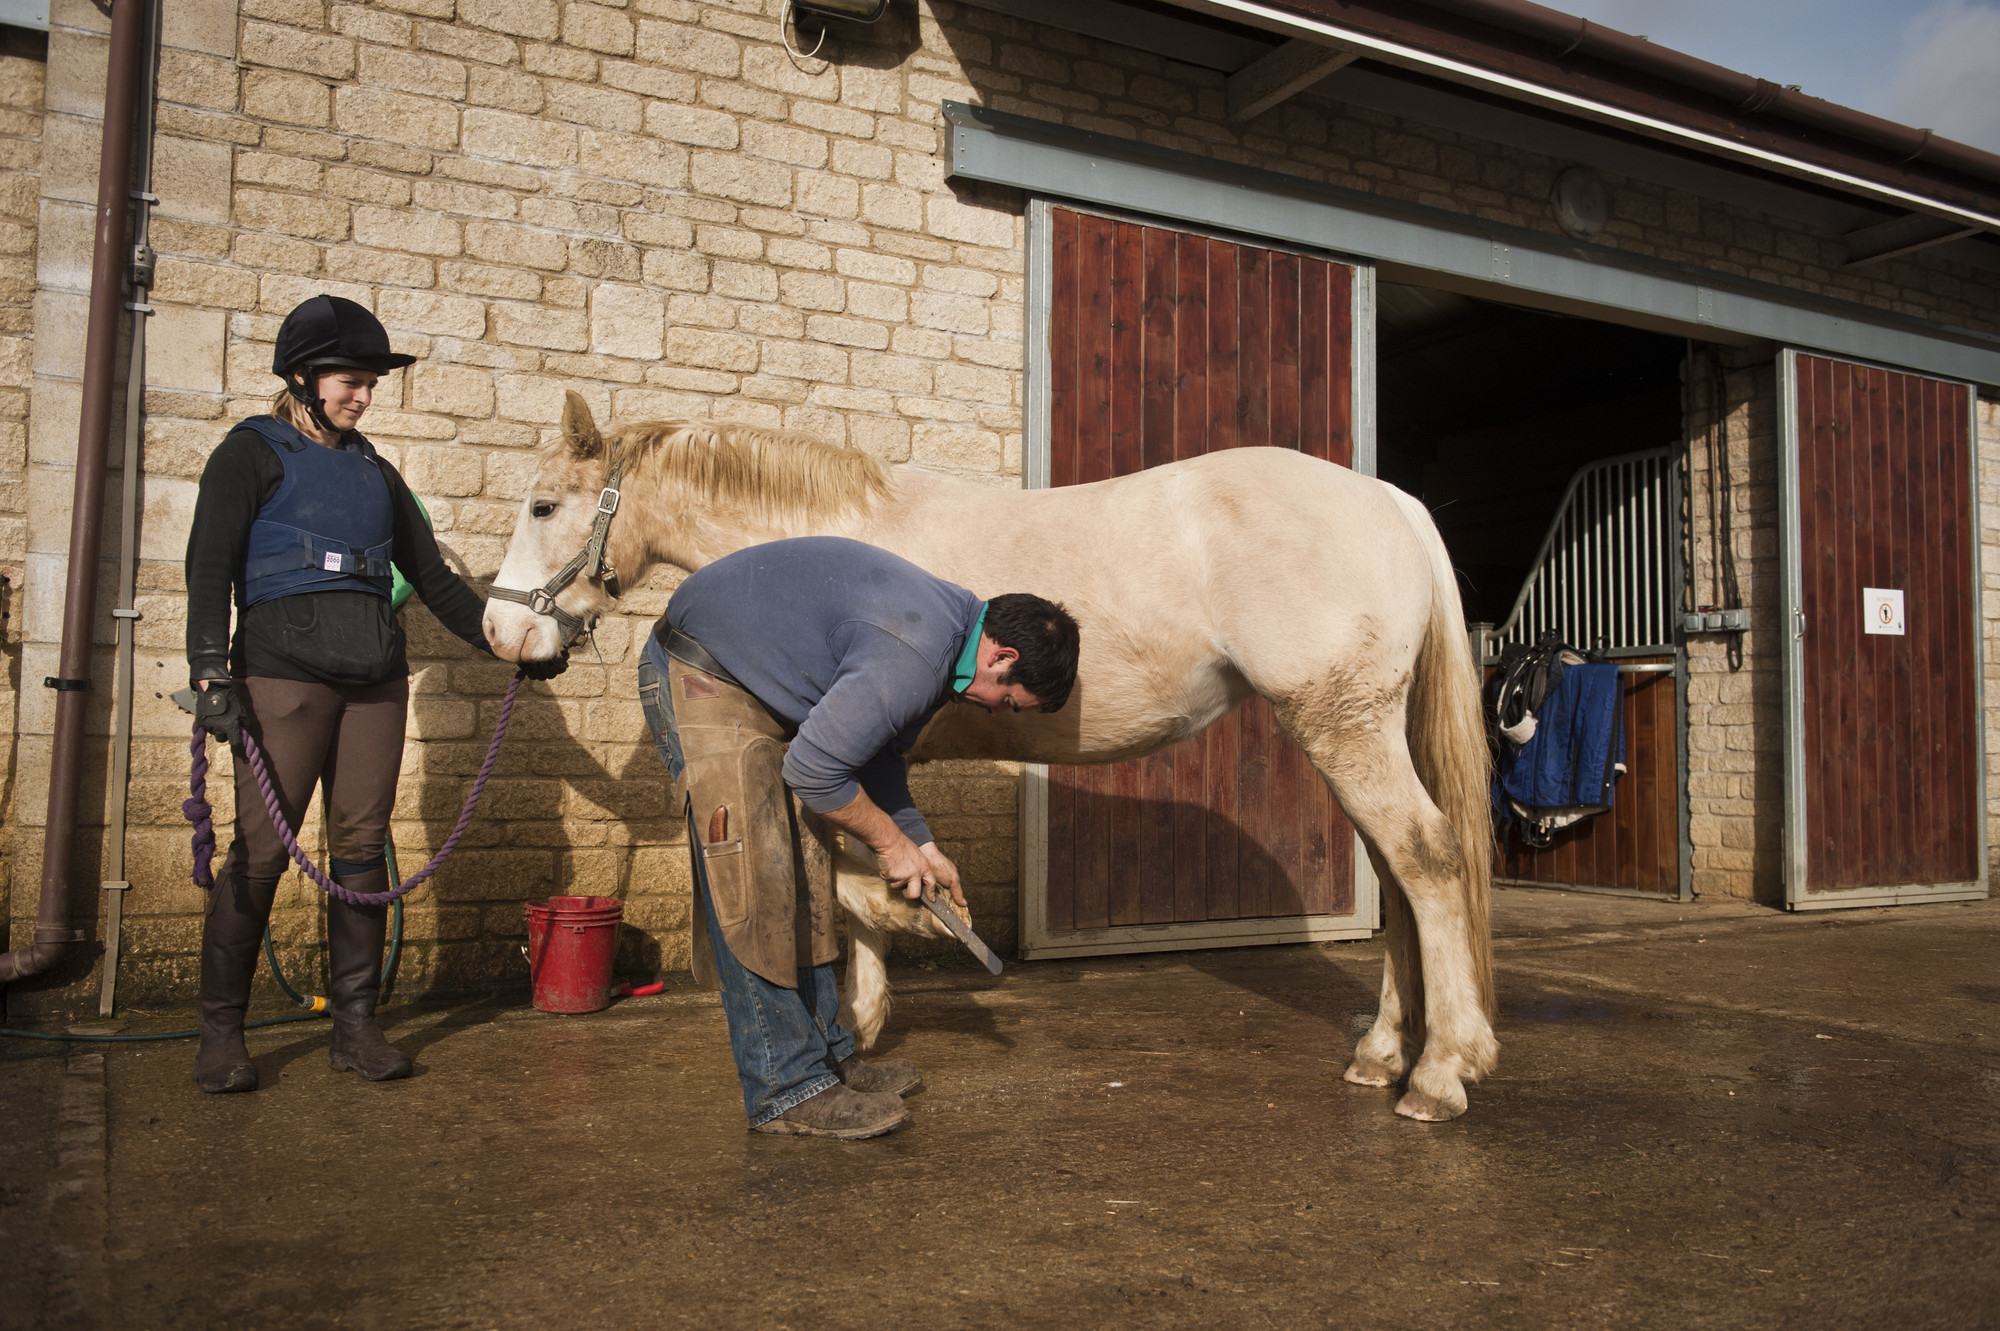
(219, 710)
(943, 873)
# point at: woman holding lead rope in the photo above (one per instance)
(300, 516)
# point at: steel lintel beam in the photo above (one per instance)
(1445, 249)
(1282, 75)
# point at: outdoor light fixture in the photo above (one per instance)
(859, 11)
(1582, 204)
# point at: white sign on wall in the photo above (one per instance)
(1882, 610)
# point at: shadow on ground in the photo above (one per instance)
(1705, 1116)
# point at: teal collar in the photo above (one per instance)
(968, 660)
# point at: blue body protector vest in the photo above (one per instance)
(329, 528)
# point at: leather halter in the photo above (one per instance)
(589, 562)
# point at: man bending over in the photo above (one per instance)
(783, 686)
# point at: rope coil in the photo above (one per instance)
(196, 810)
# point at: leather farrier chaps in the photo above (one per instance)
(768, 860)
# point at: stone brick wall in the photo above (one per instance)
(21, 70)
(649, 202)
(1989, 557)
(1736, 759)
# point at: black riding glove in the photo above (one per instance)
(548, 669)
(219, 711)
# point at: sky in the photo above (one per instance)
(1931, 63)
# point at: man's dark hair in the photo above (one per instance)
(1046, 637)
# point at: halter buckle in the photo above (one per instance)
(607, 500)
(541, 602)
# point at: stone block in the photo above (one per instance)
(600, 108)
(535, 326)
(769, 67)
(626, 321)
(955, 314)
(892, 206)
(868, 301)
(199, 80)
(744, 180)
(292, 214)
(949, 219)
(416, 232)
(481, 280)
(288, 99)
(447, 196)
(207, 26)
(954, 446)
(683, 46)
(846, 332)
(675, 270)
(508, 137)
(466, 43)
(282, 171)
(184, 349)
(441, 469)
(743, 281)
(812, 291)
(436, 314)
(507, 89)
(871, 89)
(823, 194)
(597, 28)
(73, 80)
(711, 349)
(347, 182)
(518, 245)
(377, 268)
(630, 157)
(328, 56)
(804, 360)
(212, 285)
(61, 322)
(537, 19)
(692, 125)
(373, 25)
(396, 117)
(414, 72)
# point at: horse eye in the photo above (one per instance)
(543, 508)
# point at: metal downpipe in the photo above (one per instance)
(54, 930)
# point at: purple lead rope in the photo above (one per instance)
(197, 811)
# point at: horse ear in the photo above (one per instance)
(579, 428)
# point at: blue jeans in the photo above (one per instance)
(787, 1043)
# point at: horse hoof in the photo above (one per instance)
(1429, 1108)
(1364, 1073)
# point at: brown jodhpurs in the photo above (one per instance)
(351, 738)
(769, 861)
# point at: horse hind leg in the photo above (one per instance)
(1430, 982)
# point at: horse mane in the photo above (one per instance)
(776, 472)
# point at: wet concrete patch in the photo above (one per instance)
(1673, 1139)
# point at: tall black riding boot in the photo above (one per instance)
(354, 937)
(238, 909)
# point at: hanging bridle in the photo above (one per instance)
(588, 563)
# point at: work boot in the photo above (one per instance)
(230, 932)
(886, 1076)
(840, 1112)
(354, 937)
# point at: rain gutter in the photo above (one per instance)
(55, 931)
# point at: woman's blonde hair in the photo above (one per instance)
(292, 411)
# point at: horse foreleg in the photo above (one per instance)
(1381, 1057)
(873, 912)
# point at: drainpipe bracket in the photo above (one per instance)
(116, 885)
(49, 933)
(63, 685)
(127, 614)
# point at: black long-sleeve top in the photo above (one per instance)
(338, 637)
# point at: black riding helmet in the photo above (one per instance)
(330, 333)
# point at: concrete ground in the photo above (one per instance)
(1705, 1115)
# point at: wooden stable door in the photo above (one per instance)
(1164, 345)
(1884, 753)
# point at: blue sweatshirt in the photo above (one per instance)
(851, 644)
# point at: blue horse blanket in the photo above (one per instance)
(1567, 768)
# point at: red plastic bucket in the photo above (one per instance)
(572, 942)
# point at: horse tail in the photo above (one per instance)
(1447, 738)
